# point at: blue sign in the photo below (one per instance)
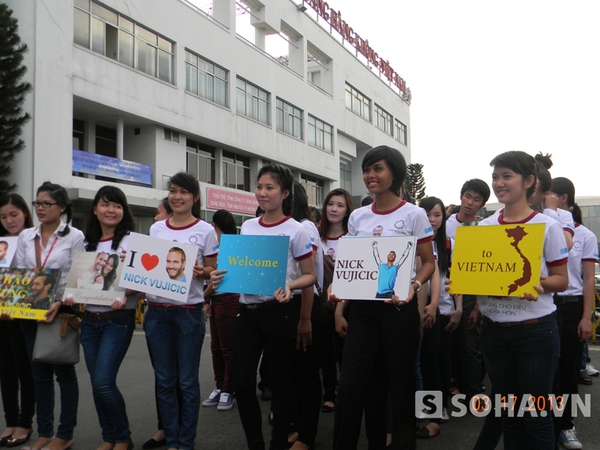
(256, 265)
(105, 166)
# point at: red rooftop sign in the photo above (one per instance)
(334, 19)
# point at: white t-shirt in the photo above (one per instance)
(198, 233)
(106, 247)
(300, 248)
(446, 302)
(565, 218)
(405, 220)
(313, 232)
(452, 223)
(329, 245)
(513, 309)
(585, 248)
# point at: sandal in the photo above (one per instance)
(328, 407)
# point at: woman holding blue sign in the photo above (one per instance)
(383, 338)
(521, 350)
(175, 331)
(106, 331)
(270, 324)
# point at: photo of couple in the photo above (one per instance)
(102, 274)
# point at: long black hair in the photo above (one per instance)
(301, 211)
(441, 241)
(225, 221)
(93, 232)
(60, 196)
(109, 279)
(325, 224)
(521, 163)
(20, 203)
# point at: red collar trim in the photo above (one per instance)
(525, 220)
(181, 228)
(329, 238)
(269, 225)
(389, 211)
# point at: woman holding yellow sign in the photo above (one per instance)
(521, 349)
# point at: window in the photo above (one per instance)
(171, 135)
(201, 161)
(106, 141)
(78, 134)
(289, 119)
(346, 175)
(320, 134)
(205, 79)
(400, 132)
(114, 36)
(314, 190)
(236, 171)
(358, 103)
(252, 101)
(383, 120)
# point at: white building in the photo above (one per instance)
(132, 91)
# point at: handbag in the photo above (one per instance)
(57, 342)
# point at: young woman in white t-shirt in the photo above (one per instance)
(175, 331)
(106, 331)
(337, 208)
(383, 336)
(521, 349)
(270, 324)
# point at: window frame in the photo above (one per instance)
(289, 116)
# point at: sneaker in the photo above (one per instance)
(591, 371)
(584, 379)
(225, 402)
(213, 398)
(568, 439)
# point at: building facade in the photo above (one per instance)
(132, 91)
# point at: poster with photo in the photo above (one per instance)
(374, 267)
(27, 293)
(8, 248)
(94, 278)
(159, 267)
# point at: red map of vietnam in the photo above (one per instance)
(517, 234)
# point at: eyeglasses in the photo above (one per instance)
(44, 205)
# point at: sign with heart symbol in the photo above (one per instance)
(159, 267)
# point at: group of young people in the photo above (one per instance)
(395, 346)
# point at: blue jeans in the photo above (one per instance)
(105, 344)
(521, 360)
(175, 336)
(43, 375)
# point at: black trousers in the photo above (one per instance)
(380, 351)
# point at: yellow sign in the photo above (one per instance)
(499, 260)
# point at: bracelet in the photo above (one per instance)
(419, 284)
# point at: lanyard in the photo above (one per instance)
(38, 251)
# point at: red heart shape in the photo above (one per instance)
(149, 261)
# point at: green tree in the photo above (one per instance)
(415, 181)
(12, 95)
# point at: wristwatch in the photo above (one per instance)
(419, 284)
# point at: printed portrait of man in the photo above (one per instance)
(176, 264)
(40, 291)
(3, 253)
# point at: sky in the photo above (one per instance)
(487, 77)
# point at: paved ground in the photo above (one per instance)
(222, 430)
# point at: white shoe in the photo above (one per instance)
(591, 371)
(213, 398)
(445, 417)
(569, 440)
(225, 402)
